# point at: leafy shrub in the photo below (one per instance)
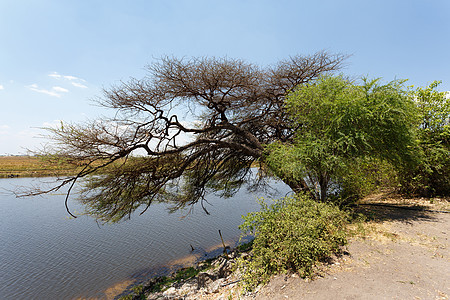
(363, 177)
(430, 176)
(292, 234)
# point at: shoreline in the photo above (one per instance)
(33, 174)
(207, 277)
(25, 166)
(195, 263)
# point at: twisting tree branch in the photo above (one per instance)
(200, 122)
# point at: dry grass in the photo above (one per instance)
(29, 166)
(392, 198)
(385, 210)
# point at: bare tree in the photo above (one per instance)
(200, 122)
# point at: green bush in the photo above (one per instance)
(365, 176)
(292, 234)
(340, 124)
(430, 175)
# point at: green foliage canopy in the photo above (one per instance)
(338, 122)
(431, 175)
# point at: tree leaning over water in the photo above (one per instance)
(200, 124)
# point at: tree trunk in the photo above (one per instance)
(299, 186)
(323, 182)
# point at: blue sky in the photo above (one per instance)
(57, 55)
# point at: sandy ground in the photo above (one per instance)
(405, 255)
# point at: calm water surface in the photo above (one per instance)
(46, 255)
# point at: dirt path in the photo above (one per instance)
(406, 255)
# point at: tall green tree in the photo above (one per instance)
(431, 175)
(339, 123)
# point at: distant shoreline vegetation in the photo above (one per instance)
(14, 166)
(32, 166)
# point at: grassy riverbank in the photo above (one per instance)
(31, 166)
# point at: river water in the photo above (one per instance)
(44, 254)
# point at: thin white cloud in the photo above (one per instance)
(34, 87)
(2, 87)
(79, 85)
(75, 81)
(54, 92)
(68, 77)
(60, 89)
(55, 75)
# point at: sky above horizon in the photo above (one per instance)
(57, 56)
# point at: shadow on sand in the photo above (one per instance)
(393, 207)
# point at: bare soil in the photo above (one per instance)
(405, 255)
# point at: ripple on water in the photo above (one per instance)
(46, 255)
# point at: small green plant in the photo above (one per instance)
(138, 288)
(292, 234)
(186, 273)
(180, 275)
(245, 246)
